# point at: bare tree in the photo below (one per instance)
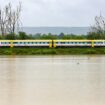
(9, 19)
(13, 18)
(99, 26)
(3, 20)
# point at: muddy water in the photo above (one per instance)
(52, 80)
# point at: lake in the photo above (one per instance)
(56, 30)
(52, 80)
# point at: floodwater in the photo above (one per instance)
(52, 80)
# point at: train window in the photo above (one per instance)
(15, 42)
(35, 42)
(80, 42)
(84, 42)
(68, 42)
(32, 42)
(95, 42)
(62, 42)
(75, 42)
(21, 42)
(99, 42)
(44, 42)
(58, 42)
(71, 42)
(39, 42)
(4, 43)
(24, 42)
(88, 42)
(28, 42)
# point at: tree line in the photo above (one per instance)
(10, 22)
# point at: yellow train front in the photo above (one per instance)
(52, 43)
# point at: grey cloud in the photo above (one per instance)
(59, 12)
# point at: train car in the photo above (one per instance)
(73, 43)
(99, 43)
(26, 43)
(32, 43)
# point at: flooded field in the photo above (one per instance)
(52, 80)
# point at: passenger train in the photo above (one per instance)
(52, 43)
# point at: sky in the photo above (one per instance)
(73, 13)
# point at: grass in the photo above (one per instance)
(51, 51)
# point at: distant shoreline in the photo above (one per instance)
(55, 30)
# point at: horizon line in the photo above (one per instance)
(57, 26)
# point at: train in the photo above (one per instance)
(52, 43)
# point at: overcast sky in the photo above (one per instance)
(59, 12)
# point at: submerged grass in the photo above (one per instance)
(51, 51)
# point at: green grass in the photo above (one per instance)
(51, 51)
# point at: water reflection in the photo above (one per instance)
(52, 80)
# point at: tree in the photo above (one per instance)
(61, 35)
(3, 20)
(97, 31)
(99, 26)
(22, 35)
(9, 19)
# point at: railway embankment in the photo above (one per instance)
(51, 51)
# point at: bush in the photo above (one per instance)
(10, 37)
(95, 35)
(22, 35)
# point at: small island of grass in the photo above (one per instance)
(51, 51)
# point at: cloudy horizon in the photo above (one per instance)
(63, 13)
